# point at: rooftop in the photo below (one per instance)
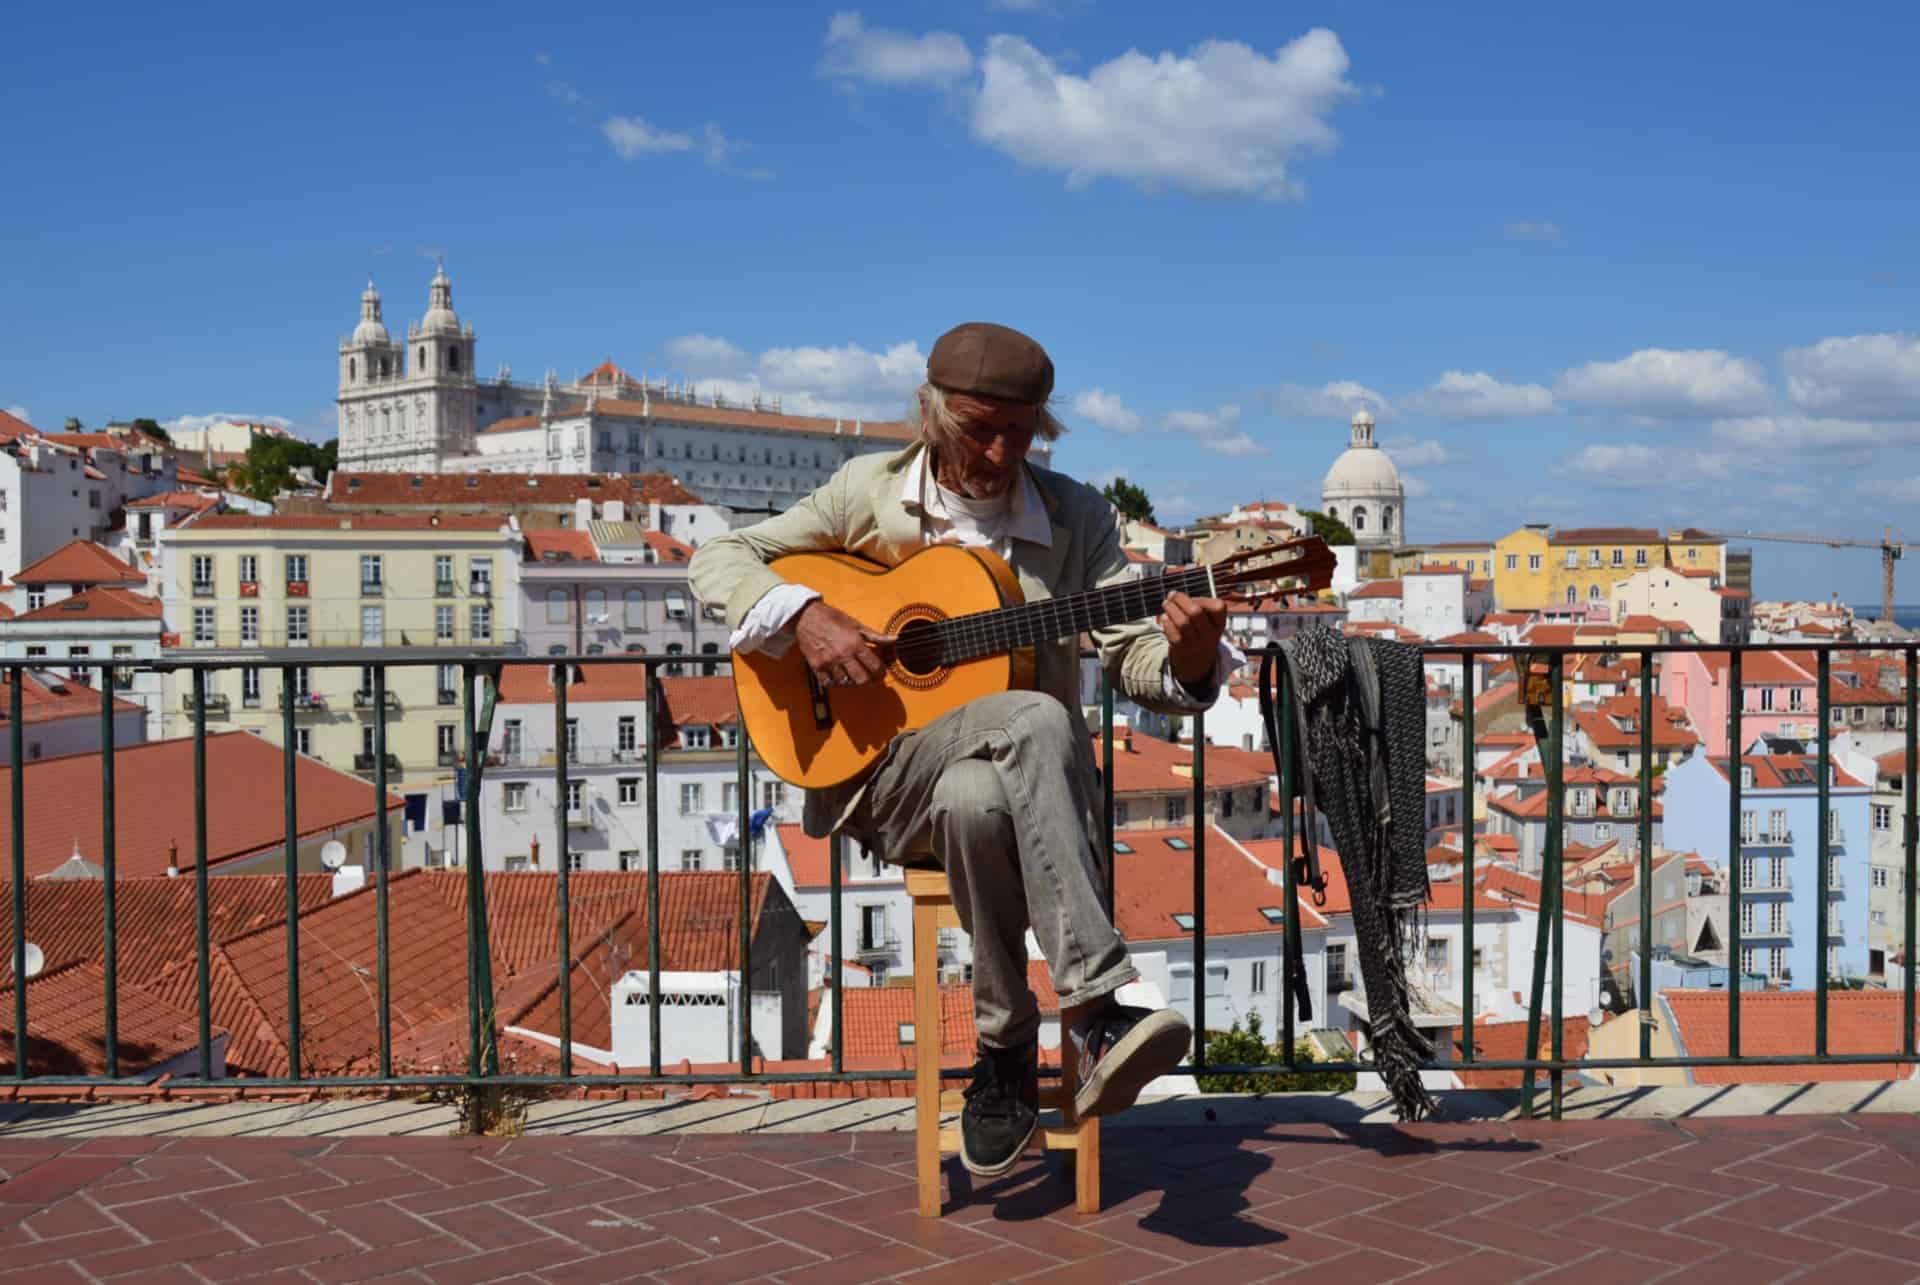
(80, 562)
(1781, 1023)
(102, 603)
(678, 412)
(453, 489)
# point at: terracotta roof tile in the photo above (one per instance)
(1781, 1023)
(12, 426)
(1507, 1042)
(1154, 882)
(47, 698)
(698, 701)
(533, 684)
(1145, 764)
(1376, 589)
(175, 500)
(79, 562)
(498, 489)
(810, 858)
(66, 1025)
(558, 545)
(349, 522)
(873, 1018)
(1605, 534)
(154, 798)
(669, 412)
(99, 604)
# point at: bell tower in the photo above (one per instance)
(440, 381)
(371, 371)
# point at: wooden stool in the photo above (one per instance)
(1080, 1139)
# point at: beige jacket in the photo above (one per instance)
(859, 510)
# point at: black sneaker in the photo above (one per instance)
(1002, 1110)
(1124, 1049)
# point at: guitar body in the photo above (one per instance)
(817, 738)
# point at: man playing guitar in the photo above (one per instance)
(1001, 790)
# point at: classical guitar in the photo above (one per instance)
(965, 631)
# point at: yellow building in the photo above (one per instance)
(274, 593)
(1475, 557)
(1521, 579)
(1694, 550)
(1587, 561)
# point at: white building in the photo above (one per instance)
(1363, 490)
(396, 417)
(61, 487)
(1377, 602)
(1440, 600)
(58, 717)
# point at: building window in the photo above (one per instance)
(249, 625)
(1746, 959)
(203, 626)
(480, 618)
(1620, 558)
(371, 576)
(626, 736)
(576, 796)
(1749, 826)
(1593, 593)
(1777, 825)
(36, 599)
(629, 791)
(1513, 562)
(773, 794)
(1880, 879)
(595, 607)
(480, 576)
(630, 859)
(673, 667)
(1338, 978)
(250, 686)
(1176, 810)
(303, 741)
(1257, 977)
(1533, 562)
(373, 626)
(693, 798)
(690, 858)
(636, 608)
(297, 618)
(202, 573)
(296, 568)
(1358, 522)
(513, 796)
(576, 862)
(1882, 818)
(443, 573)
(677, 604)
(1386, 518)
(1573, 594)
(556, 606)
(443, 623)
(1639, 557)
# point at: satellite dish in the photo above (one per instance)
(333, 854)
(36, 960)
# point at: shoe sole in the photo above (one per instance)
(1147, 1052)
(980, 1169)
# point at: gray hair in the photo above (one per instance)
(938, 424)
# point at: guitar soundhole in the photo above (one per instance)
(917, 655)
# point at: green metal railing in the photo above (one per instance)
(1545, 718)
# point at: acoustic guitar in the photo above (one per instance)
(965, 631)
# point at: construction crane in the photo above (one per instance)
(1890, 551)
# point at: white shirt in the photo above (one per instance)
(947, 517)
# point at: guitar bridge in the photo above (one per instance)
(822, 713)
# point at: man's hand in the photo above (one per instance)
(839, 649)
(1193, 627)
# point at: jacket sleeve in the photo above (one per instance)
(732, 569)
(1135, 654)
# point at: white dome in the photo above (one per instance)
(1362, 471)
(370, 330)
(440, 318)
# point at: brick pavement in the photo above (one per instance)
(1746, 1200)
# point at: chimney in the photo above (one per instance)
(533, 861)
(173, 858)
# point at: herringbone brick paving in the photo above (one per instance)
(1710, 1200)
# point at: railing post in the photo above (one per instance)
(745, 847)
(1736, 697)
(1823, 823)
(108, 862)
(1468, 841)
(1199, 892)
(290, 798)
(1910, 833)
(200, 929)
(1645, 981)
(1289, 885)
(1556, 873)
(1106, 784)
(836, 856)
(383, 855)
(562, 673)
(656, 716)
(17, 781)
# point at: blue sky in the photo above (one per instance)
(1638, 264)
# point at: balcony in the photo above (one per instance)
(885, 942)
(249, 588)
(203, 589)
(1766, 883)
(367, 762)
(446, 696)
(480, 588)
(297, 589)
(372, 588)
(364, 700)
(443, 589)
(309, 703)
(215, 702)
(580, 818)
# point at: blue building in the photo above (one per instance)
(1779, 862)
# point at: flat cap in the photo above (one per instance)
(991, 361)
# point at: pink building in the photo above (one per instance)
(1779, 688)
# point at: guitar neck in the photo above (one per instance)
(989, 633)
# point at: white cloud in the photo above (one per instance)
(1809, 433)
(718, 150)
(1223, 120)
(543, 60)
(1857, 376)
(1417, 488)
(1536, 230)
(1638, 464)
(1460, 394)
(699, 354)
(19, 412)
(562, 92)
(1664, 383)
(1216, 430)
(1338, 400)
(1408, 452)
(192, 423)
(883, 56)
(1107, 410)
(632, 137)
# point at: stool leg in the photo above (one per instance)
(926, 1057)
(1085, 1157)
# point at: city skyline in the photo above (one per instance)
(1568, 264)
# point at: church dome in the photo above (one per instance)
(1363, 488)
(440, 318)
(370, 330)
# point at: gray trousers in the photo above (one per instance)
(998, 791)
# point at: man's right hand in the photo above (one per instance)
(839, 649)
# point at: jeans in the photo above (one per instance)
(998, 791)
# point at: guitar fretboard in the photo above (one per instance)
(990, 633)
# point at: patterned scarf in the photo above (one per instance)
(1360, 715)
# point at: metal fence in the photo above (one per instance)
(1540, 671)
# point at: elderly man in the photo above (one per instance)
(1002, 790)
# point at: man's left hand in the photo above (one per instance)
(1193, 627)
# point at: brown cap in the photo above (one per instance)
(991, 361)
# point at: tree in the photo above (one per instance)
(270, 462)
(1130, 500)
(151, 428)
(73, 424)
(1236, 1047)
(1332, 530)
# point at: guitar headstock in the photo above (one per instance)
(1301, 566)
